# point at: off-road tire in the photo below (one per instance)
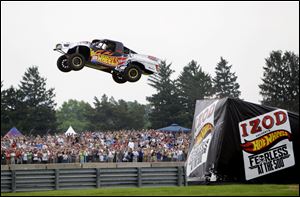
(118, 78)
(63, 64)
(77, 61)
(132, 73)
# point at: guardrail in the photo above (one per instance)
(39, 177)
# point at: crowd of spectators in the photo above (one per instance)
(110, 146)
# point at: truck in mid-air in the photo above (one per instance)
(106, 55)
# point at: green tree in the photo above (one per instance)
(4, 114)
(102, 118)
(11, 109)
(114, 115)
(74, 113)
(39, 105)
(194, 84)
(165, 104)
(280, 87)
(225, 84)
(137, 115)
(120, 115)
(147, 110)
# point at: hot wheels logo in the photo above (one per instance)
(108, 60)
(102, 57)
(265, 142)
(206, 129)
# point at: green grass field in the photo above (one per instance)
(199, 190)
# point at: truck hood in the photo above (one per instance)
(147, 58)
(67, 45)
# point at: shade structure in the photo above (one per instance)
(70, 131)
(174, 128)
(13, 132)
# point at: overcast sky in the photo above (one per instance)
(244, 33)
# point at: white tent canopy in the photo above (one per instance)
(70, 131)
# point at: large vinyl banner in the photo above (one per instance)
(242, 141)
(266, 143)
(202, 135)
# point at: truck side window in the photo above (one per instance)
(110, 46)
(126, 50)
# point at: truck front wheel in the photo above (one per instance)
(63, 64)
(118, 78)
(132, 73)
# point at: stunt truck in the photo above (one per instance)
(106, 55)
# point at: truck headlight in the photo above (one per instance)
(58, 46)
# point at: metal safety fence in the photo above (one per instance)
(19, 178)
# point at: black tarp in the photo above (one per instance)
(219, 143)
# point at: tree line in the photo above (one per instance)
(31, 107)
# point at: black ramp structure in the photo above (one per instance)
(238, 141)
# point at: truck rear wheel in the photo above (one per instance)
(118, 78)
(132, 73)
